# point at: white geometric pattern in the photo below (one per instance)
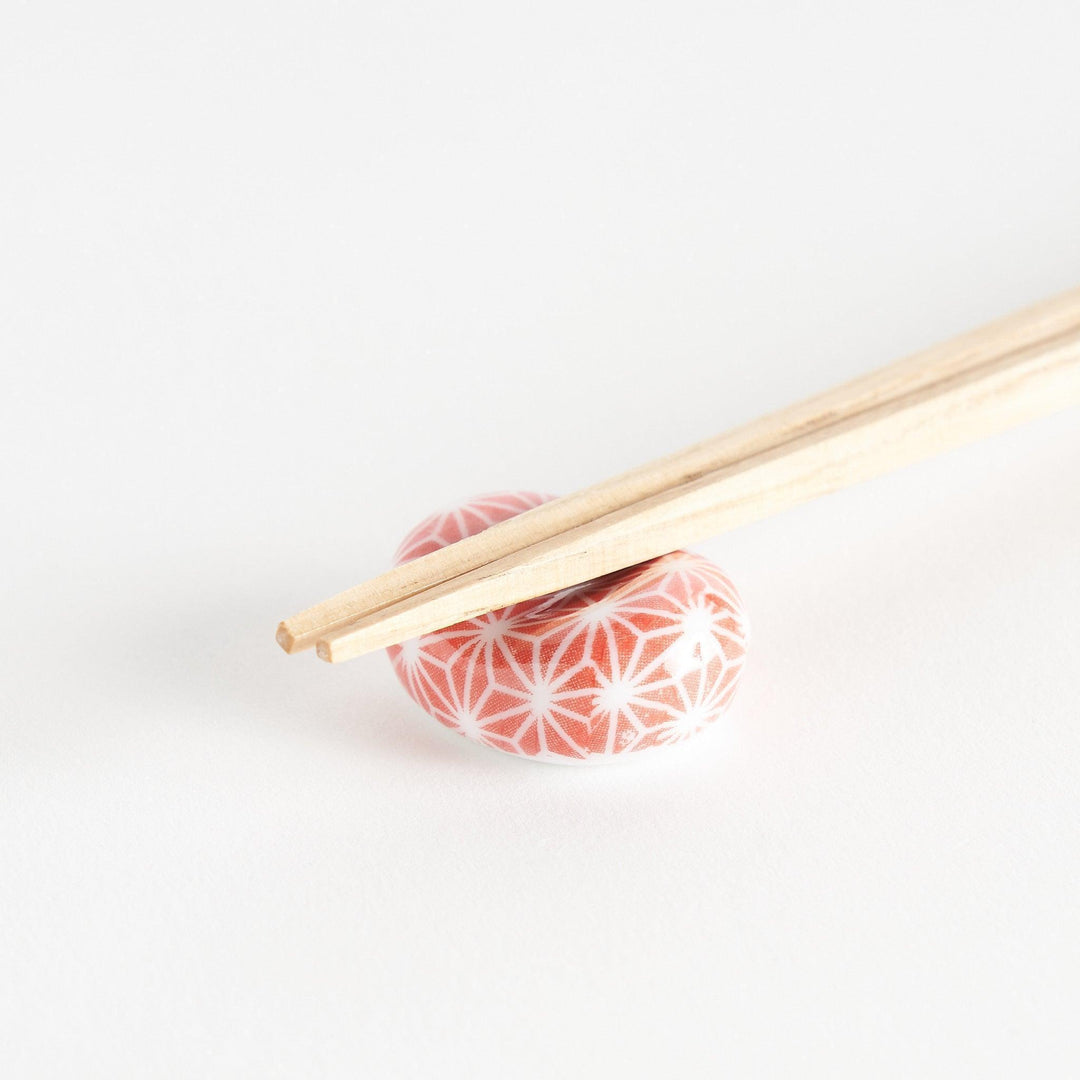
(635, 660)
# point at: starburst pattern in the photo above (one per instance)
(638, 659)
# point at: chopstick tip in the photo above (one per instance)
(324, 651)
(285, 638)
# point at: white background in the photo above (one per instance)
(277, 280)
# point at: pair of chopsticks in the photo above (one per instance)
(1016, 369)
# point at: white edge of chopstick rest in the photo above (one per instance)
(994, 340)
(990, 398)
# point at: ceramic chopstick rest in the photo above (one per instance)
(630, 662)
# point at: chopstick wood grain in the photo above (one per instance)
(902, 427)
(1001, 338)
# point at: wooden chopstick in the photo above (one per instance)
(900, 428)
(1001, 338)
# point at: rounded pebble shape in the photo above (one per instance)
(633, 661)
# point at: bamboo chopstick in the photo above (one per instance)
(1027, 328)
(900, 429)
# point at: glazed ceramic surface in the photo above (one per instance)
(629, 662)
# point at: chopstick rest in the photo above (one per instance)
(633, 661)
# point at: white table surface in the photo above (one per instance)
(276, 281)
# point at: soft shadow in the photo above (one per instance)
(215, 659)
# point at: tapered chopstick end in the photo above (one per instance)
(285, 638)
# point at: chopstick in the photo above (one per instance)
(901, 429)
(356, 607)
